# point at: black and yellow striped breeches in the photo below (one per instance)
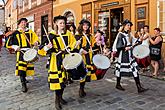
(22, 67)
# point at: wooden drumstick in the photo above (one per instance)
(101, 49)
(77, 43)
(93, 50)
(46, 33)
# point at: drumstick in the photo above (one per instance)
(77, 43)
(93, 50)
(61, 51)
(46, 33)
(101, 49)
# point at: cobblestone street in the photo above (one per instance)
(101, 95)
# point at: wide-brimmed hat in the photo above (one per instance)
(59, 17)
(22, 19)
(85, 21)
(127, 22)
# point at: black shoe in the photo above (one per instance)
(141, 89)
(119, 87)
(58, 107)
(24, 87)
(82, 93)
(63, 102)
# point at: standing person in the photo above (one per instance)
(126, 64)
(8, 34)
(88, 42)
(146, 36)
(155, 50)
(60, 39)
(72, 28)
(1, 37)
(23, 39)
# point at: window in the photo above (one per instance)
(14, 4)
(161, 15)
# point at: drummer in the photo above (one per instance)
(88, 42)
(23, 39)
(59, 40)
(126, 64)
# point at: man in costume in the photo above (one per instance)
(21, 40)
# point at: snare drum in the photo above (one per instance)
(101, 65)
(30, 56)
(141, 53)
(73, 63)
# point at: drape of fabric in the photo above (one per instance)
(56, 73)
(19, 39)
(126, 64)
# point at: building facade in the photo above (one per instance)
(107, 14)
(2, 20)
(11, 14)
(38, 13)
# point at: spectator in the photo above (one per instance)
(1, 37)
(72, 28)
(8, 34)
(155, 51)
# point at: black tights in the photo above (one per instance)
(137, 80)
(59, 92)
(82, 85)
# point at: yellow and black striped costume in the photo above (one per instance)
(56, 73)
(88, 57)
(18, 38)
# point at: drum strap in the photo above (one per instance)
(88, 41)
(64, 44)
(27, 39)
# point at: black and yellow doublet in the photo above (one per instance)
(18, 38)
(56, 73)
(88, 57)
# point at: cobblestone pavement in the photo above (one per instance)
(101, 95)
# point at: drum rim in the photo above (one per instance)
(104, 57)
(77, 64)
(133, 52)
(27, 52)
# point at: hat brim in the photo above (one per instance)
(22, 19)
(85, 21)
(60, 18)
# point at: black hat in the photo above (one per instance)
(60, 17)
(85, 21)
(22, 19)
(126, 22)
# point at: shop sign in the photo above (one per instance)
(110, 4)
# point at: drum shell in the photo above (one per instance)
(33, 59)
(100, 72)
(78, 73)
(144, 62)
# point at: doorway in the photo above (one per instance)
(44, 22)
(116, 17)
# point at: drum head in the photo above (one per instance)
(72, 61)
(30, 54)
(101, 61)
(141, 51)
